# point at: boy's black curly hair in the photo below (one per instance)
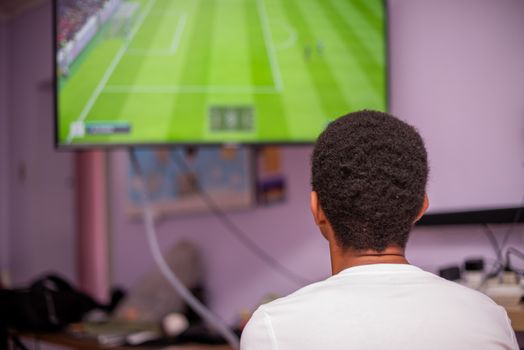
(370, 170)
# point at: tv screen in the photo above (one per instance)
(146, 72)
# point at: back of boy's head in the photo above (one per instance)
(370, 170)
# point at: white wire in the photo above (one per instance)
(172, 278)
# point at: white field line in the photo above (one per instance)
(189, 89)
(178, 33)
(110, 69)
(273, 62)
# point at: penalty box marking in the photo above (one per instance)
(102, 88)
(266, 34)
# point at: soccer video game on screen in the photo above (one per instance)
(214, 71)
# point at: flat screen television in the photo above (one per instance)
(151, 72)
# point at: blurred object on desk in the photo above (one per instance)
(152, 298)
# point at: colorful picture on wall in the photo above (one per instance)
(175, 177)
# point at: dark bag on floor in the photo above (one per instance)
(49, 304)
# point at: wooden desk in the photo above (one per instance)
(516, 315)
(70, 341)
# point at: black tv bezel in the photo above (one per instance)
(510, 215)
(97, 146)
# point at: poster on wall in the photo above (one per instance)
(175, 177)
(271, 182)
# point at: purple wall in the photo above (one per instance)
(461, 85)
(236, 278)
(458, 67)
(38, 178)
(41, 203)
(4, 213)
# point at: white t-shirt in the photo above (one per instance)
(380, 306)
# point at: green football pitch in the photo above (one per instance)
(209, 71)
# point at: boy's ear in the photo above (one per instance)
(425, 206)
(320, 217)
(316, 210)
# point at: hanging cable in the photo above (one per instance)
(516, 252)
(494, 243)
(516, 219)
(213, 320)
(499, 248)
(240, 235)
(498, 266)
